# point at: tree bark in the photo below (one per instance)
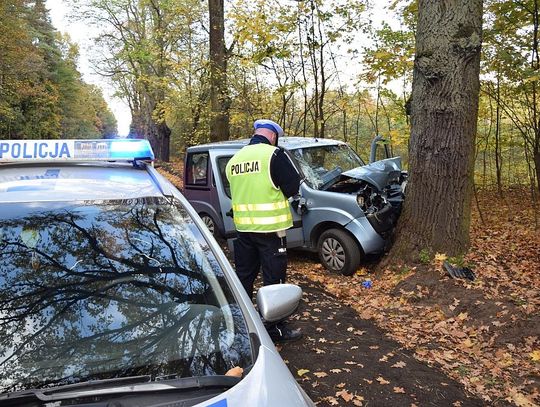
(537, 167)
(219, 97)
(444, 109)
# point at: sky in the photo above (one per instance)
(81, 34)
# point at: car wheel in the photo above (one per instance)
(209, 222)
(339, 252)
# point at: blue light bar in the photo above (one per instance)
(75, 150)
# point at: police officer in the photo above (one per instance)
(262, 177)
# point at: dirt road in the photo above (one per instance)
(345, 360)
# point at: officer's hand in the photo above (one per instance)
(302, 207)
(299, 205)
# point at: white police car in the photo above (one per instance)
(112, 291)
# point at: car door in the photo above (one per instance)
(220, 160)
(295, 236)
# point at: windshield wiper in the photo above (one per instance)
(45, 394)
(107, 387)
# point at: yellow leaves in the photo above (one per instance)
(382, 54)
(467, 343)
(399, 365)
(462, 316)
(302, 372)
(399, 390)
(361, 272)
(520, 399)
(439, 259)
(535, 355)
(398, 137)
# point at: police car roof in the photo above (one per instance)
(62, 178)
(289, 143)
(74, 182)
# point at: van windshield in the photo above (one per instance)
(322, 165)
(107, 289)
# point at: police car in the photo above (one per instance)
(113, 292)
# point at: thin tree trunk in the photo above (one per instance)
(219, 98)
(498, 155)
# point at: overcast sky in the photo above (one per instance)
(81, 34)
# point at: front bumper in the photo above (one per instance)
(384, 220)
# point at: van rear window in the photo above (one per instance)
(197, 169)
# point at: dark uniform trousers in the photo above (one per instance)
(253, 251)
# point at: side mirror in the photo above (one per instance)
(276, 302)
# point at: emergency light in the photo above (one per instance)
(75, 150)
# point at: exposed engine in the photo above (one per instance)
(382, 208)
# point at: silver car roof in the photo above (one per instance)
(289, 143)
(74, 181)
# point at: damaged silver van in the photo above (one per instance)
(348, 208)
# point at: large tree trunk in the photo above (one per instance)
(219, 98)
(444, 110)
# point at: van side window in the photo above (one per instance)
(197, 169)
(222, 164)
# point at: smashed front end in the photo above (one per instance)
(379, 189)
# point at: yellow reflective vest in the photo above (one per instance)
(258, 205)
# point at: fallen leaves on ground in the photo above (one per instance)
(484, 333)
(302, 372)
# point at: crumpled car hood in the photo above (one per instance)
(379, 173)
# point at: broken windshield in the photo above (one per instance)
(321, 165)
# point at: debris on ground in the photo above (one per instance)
(459, 272)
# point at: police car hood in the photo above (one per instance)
(268, 383)
(379, 173)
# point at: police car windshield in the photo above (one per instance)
(321, 164)
(106, 289)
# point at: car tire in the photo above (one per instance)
(210, 224)
(339, 252)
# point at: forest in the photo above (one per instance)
(42, 94)
(320, 68)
